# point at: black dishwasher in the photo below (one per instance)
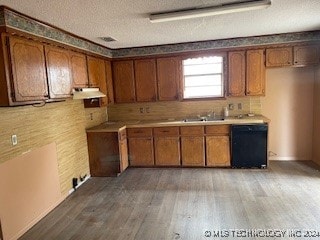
(249, 146)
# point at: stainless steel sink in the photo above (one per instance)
(203, 119)
(215, 119)
(194, 120)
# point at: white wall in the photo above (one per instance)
(289, 105)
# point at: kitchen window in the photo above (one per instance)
(203, 77)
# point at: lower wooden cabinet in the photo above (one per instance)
(218, 151)
(192, 146)
(167, 151)
(218, 146)
(108, 154)
(141, 151)
(167, 146)
(140, 145)
(192, 151)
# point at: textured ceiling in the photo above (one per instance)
(127, 20)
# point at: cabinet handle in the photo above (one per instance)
(46, 96)
(139, 131)
(165, 131)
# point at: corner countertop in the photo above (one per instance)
(116, 126)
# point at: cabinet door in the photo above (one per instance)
(59, 72)
(237, 74)
(306, 55)
(279, 57)
(109, 82)
(218, 151)
(167, 151)
(141, 151)
(145, 79)
(256, 73)
(169, 77)
(123, 81)
(123, 149)
(104, 157)
(103, 87)
(28, 70)
(96, 71)
(192, 151)
(79, 70)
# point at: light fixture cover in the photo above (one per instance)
(209, 11)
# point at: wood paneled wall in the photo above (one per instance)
(63, 123)
(179, 110)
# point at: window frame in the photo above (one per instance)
(224, 76)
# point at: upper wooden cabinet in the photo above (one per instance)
(145, 79)
(29, 80)
(109, 82)
(306, 55)
(97, 78)
(279, 57)
(236, 74)
(103, 88)
(96, 71)
(59, 73)
(256, 73)
(79, 70)
(169, 73)
(123, 81)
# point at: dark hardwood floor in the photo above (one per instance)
(189, 203)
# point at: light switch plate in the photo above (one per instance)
(14, 140)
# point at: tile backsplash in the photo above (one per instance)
(179, 110)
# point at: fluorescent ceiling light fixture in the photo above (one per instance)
(209, 11)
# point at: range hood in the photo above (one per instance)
(87, 93)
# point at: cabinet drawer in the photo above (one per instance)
(122, 134)
(218, 130)
(139, 132)
(166, 131)
(192, 131)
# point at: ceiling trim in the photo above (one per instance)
(218, 44)
(16, 20)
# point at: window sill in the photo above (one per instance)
(203, 99)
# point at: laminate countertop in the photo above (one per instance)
(116, 126)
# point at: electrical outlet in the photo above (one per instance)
(231, 106)
(141, 110)
(239, 106)
(14, 140)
